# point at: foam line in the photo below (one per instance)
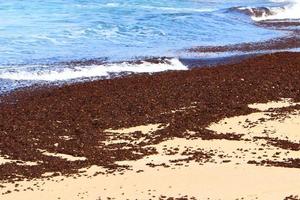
(69, 73)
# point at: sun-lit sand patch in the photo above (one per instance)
(145, 129)
(201, 181)
(220, 170)
(62, 156)
(263, 124)
(27, 163)
(6, 160)
(285, 102)
(223, 151)
(214, 179)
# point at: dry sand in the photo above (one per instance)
(224, 174)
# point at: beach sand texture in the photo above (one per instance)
(212, 133)
(224, 174)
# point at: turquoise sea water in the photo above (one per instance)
(36, 35)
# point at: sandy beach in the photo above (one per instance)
(150, 100)
(224, 132)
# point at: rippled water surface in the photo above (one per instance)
(56, 30)
(36, 33)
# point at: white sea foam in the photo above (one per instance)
(69, 73)
(289, 12)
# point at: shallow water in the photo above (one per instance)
(35, 36)
(56, 30)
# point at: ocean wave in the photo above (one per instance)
(291, 11)
(91, 71)
(288, 12)
(258, 12)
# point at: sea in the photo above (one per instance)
(59, 41)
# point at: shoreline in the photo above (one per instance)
(187, 61)
(62, 130)
(83, 70)
(288, 42)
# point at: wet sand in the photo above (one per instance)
(225, 132)
(280, 43)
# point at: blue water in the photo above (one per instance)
(38, 32)
(62, 30)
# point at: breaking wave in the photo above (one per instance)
(257, 12)
(289, 11)
(39, 73)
